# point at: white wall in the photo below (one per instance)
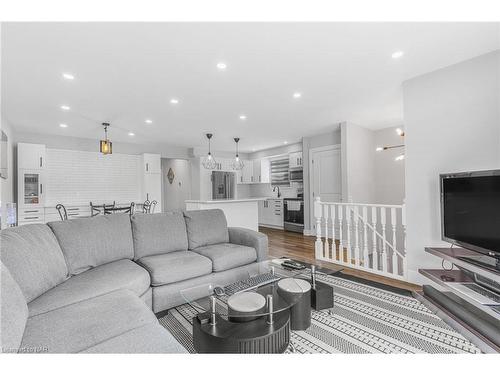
(389, 174)
(177, 192)
(358, 164)
(86, 144)
(452, 124)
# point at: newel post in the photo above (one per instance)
(403, 224)
(318, 245)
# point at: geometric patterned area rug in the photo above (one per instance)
(365, 319)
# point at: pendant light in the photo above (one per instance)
(105, 146)
(237, 163)
(400, 157)
(209, 161)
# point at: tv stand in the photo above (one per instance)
(482, 320)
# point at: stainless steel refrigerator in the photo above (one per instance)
(223, 185)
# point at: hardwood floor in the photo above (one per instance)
(301, 248)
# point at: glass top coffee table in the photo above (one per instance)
(256, 320)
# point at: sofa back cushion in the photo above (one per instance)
(206, 227)
(14, 312)
(90, 242)
(34, 258)
(158, 233)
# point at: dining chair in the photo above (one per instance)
(146, 206)
(94, 210)
(62, 211)
(109, 208)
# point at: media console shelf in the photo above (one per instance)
(481, 319)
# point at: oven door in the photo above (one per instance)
(294, 215)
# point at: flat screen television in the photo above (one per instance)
(470, 211)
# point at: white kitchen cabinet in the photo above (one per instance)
(30, 188)
(271, 213)
(152, 189)
(261, 171)
(151, 163)
(247, 173)
(30, 156)
(255, 171)
(295, 160)
(151, 179)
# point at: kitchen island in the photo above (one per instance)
(242, 212)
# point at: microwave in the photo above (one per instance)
(295, 175)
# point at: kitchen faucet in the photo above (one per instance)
(274, 189)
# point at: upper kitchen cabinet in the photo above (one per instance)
(151, 163)
(30, 156)
(255, 172)
(247, 172)
(261, 171)
(295, 160)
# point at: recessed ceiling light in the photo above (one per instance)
(297, 95)
(243, 117)
(148, 121)
(378, 149)
(400, 132)
(68, 76)
(63, 125)
(65, 107)
(285, 143)
(131, 134)
(221, 66)
(174, 101)
(397, 54)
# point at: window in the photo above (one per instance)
(279, 172)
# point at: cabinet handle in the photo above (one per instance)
(147, 167)
(30, 211)
(41, 189)
(41, 162)
(259, 179)
(31, 217)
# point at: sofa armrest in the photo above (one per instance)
(251, 238)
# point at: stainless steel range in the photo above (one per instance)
(294, 214)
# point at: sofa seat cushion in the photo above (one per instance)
(90, 242)
(87, 323)
(176, 266)
(34, 258)
(225, 256)
(122, 274)
(156, 234)
(151, 338)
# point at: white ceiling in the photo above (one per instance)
(127, 72)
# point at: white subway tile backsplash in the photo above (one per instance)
(78, 177)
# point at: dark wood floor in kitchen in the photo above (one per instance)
(301, 248)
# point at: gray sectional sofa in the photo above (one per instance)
(93, 285)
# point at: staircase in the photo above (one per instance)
(369, 237)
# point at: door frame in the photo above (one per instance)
(312, 219)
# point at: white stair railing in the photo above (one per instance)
(369, 237)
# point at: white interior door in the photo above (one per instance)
(326, 176)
